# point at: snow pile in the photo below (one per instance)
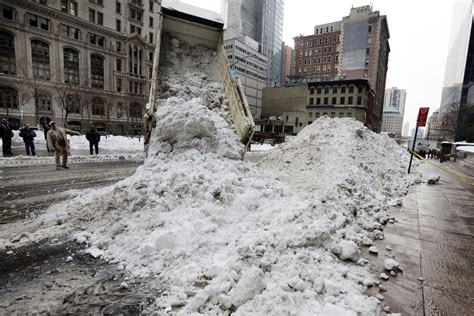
(350, 174)
(117, 143)
(111, 142)
(214, 235)
(262, 147)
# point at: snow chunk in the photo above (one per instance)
(250, 284)
(390, 264)
(349, 250)
(334, 310)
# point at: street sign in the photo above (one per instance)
(422, 116)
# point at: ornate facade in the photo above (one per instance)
(80, 63)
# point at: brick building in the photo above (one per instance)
(354, 48)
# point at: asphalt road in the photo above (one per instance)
(29, 188)
(39, 278)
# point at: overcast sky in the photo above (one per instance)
(420, 32)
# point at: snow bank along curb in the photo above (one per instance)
(216, 235)
(37, 160)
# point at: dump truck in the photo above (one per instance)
(196, 26)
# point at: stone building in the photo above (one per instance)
(434, 127)
(298, 106)
(394, 111)
(80, 63)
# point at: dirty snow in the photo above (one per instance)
(215, 234)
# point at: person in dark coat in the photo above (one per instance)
(28, 136)
(94, 138)
(6, 134)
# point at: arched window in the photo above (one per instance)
(98, 106)
(8, 98)
(43, 103)
(71, 66)
(97, 72)
(40, 59)
(136, 110)
(7, 54)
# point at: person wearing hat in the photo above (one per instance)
(6, 135)
(58, 142)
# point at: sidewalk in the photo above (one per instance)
(433, 239)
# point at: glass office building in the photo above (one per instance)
(457, 101)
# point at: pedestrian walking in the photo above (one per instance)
(57, 140)
(46, 129)
(94, 138)
(6, 134)
(28, 136)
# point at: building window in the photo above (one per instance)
(7, 54)
(43, 103)
(318, 91)
(150, 72)
(359, 100)
(118, 7)
(326, 90)
(318, 101)
(351, 89)
(311, 101)
(311, 91)
(135, 110)
(97, 71)
(96, 39)
(359, 89)
(40, 60)
(91, 15)
(334, 100)
(343, 101)
(150, 40)
(7, 12)
(71, 66)
(118, 25)
(135, 60)
(367, 51)
(118, 46)
(151, 5)
(350, 100)
(8, 98)
(100, 18)
(150, 56)
(39, 22)
(334, 89)
(343, 89)
(69, 7)
(98, 107)
(118, 64)
(326, 101)
(370, 28)
(151, 22)
(69, 31)
(119, 85)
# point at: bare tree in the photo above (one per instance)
(30, 88)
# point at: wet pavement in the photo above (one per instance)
(433, 239)
(32, 187)
(55, 276)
